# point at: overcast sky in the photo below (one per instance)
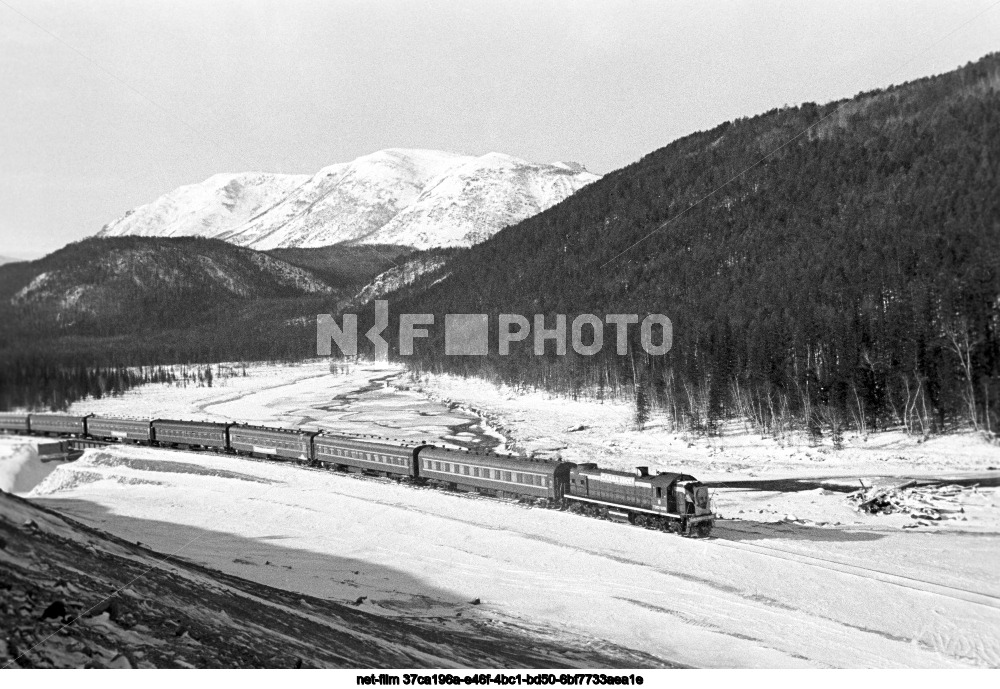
(135, 98)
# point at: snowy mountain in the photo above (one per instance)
(220, 203)
(408, 197)
(348, 202)
(475, 200)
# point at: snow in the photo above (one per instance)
(345, 202)
(220, 203)
(168, 613)
(20, 466)
(412, 197)
(477, 199)
(828, 587)
(682, 600)
(354, 399)
(398, 277)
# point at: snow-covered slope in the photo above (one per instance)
(400, 276)
(347, 202)
(410, 197)
(472, 202)
(75, 596)
(206, 209)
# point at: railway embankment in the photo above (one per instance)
(74, 596)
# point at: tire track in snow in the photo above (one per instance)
(865, 572)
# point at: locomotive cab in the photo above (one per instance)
(692, 501)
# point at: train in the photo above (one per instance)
(671, 501)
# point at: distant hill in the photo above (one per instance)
(73, 319)
(851, 278)
(8, 259)
(129, 284)
(408, 197)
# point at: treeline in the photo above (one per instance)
(57, 373)
(851, 280)
(39, 385)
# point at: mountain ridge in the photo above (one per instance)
(411, 197)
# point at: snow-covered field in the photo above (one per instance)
(747, 472)
(769, 590)
(355, 399)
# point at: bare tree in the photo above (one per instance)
(962, 345)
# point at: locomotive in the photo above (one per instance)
(667, 501)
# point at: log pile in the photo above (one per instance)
(927, 503)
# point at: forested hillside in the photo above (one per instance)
(345, 265)
(851, 278)
(74, 320)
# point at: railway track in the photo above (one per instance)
(855, 570)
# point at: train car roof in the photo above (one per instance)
(272, 429)
(101, 417)
(210, 424)
(58, 415)
(368, 439)
(490, 459)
